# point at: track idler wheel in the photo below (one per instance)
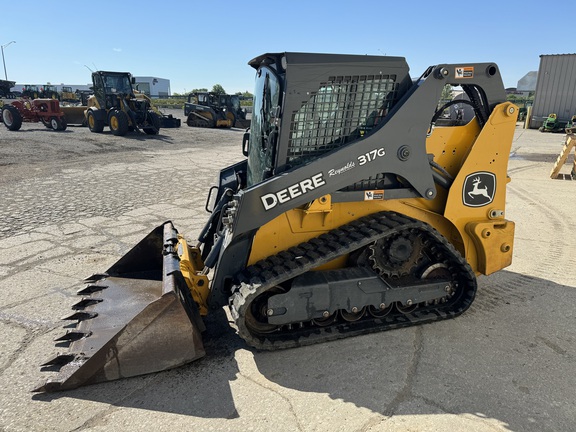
(256, 316)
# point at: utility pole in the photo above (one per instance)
(3, 61)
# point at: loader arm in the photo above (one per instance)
(398, 147)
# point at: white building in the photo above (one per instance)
(153, 86)
(18, 87)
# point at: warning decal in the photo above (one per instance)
(464, 72)
(373, 195)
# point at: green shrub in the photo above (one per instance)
(174, 103)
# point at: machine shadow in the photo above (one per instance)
(444, 366)
(489, 363)
(142, 136)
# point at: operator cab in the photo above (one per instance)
(337, 99)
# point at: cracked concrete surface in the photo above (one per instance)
(411, 372)
(506, 365)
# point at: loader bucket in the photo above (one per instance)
(169, 121)
(137, 318)
(74, 115)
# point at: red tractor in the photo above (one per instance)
(46, 111)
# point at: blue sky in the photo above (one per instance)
(198, 44)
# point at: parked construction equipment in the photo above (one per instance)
(83, 96)
(72, 106)
(115, 105)
(208, 109)
(67, 95)
(46, 111)
(166, 120)
(49, 92)
(75, 114)
(30, 91)
(232, 104)
(353, 213)
(5, 89)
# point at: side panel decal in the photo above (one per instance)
(479, 189)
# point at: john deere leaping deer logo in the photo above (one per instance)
(479, 188)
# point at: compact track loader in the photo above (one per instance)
(215, 110)
(354, 212)
(208, 110)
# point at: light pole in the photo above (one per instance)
(3, 61)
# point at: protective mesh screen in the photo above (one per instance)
(343, 109)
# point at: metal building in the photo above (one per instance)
(555, 89)
(153, 86)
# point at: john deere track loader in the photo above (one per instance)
(215, 110)
(209, 110)
(353, 213)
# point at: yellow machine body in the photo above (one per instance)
(482, 235)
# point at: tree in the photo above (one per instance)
(218, 89)
(447, 93)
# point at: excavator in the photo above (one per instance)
(356, 210)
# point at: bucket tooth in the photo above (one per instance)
(95, 277)
(58, 361)
(63, 364)
(85, 302)
(80, 316)
(145, 320)
(72, 335)
(91, 289)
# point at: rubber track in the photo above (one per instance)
(196, 122)
(295, 261)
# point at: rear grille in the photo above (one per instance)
(343, 109)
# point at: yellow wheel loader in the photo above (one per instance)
(357, 210)
(115, 105)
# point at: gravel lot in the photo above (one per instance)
(30, 156)
(73, 202)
